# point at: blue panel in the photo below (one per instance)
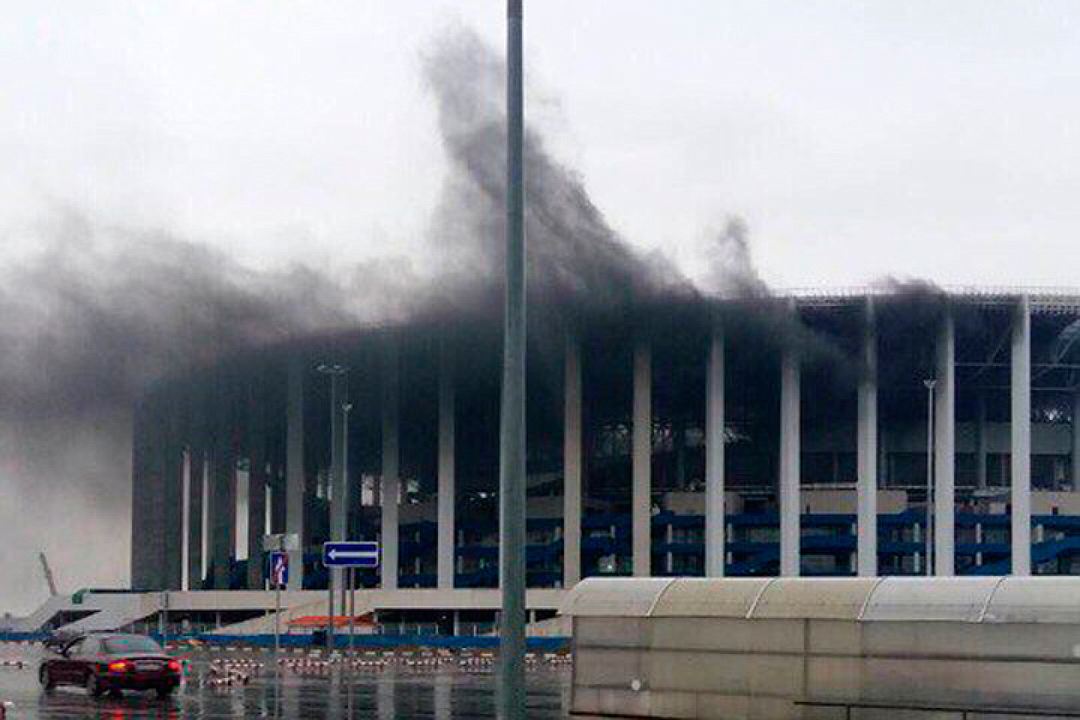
(351, 554)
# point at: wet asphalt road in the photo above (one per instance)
(389, 693)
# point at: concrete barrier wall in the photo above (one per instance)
(656, 663)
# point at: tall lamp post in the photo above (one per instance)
(346, 408)
(512, 417)
(930, 384)
(339, 500)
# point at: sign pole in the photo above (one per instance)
(277, 621)
(330, 609)
(279, 546)
(277, 608)
(348, 555)
(352, 605)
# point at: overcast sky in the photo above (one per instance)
(857, 139)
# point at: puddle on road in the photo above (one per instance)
(386, 692)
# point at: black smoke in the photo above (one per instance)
(98, 312)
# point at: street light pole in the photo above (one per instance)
(338, 485)
(930, 384)
(512, 418)
(346, 408)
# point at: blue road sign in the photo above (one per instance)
(351, 554)
(279, 569)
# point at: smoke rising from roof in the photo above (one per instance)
(576, 261)
(100, 312)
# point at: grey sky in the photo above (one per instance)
(857, 139)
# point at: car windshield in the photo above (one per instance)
(131, 644)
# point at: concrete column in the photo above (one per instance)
(222, 512)
(1020, 423)
(256, 452)
(195, 473)
(572, 456)
(447, 491)
(1076, 442)
(867, 453)
(642, 460)
(173, 501)
(294, 469)
(390, 464)
(714, 457)
(980, 439)
(790, 382)
(143, 550)
(945, 450)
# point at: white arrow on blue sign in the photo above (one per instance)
(351, 554)
(279, 569)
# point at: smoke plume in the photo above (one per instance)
(99, 312)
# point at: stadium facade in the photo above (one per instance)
(766, 436)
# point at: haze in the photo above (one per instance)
(919, 139)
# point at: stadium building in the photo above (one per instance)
(682, 436)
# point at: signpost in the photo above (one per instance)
(279, 546)
(279, 578)
(351, 555)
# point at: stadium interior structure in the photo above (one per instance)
(763, 436)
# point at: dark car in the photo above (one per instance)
(111, 663)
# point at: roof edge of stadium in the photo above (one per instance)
(1043, 299)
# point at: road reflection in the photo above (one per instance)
(388, 694)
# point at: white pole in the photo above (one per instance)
(352, 605)
(714, 456)
(277, 610)
(929, 475)
(1020, 430)
(867, 452)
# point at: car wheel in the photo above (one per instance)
(93, 685)
(45, 676)
(165, 691)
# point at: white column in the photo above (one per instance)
(185, 521)
(294, 469)
(1076, 442)
(572, 458)
(1020, 422)
(390, 463)
(715, 522)
(945, 450)
(447, 488)
(790, 381)
(867, 453)
(642, 460)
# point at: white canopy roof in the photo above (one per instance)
(958, 599)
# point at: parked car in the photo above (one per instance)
(110, 663)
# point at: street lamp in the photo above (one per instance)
(930, 384)
(338, 488)
(512, 416)
(346, 408)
